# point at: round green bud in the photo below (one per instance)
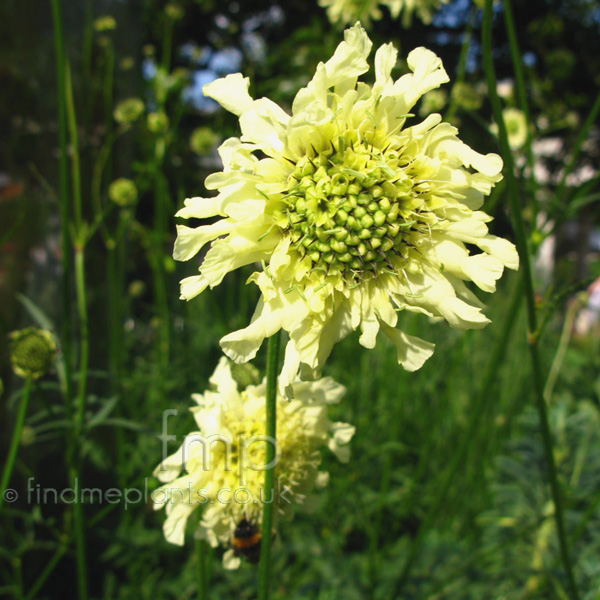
(379, 218)
(352, 240)
(341, 216)
(367, 221)
(377, 191)
(137, 289)
(466, 96)
(123, 192)
(385, 204)
(339, 247)
(158, 122)
(127, 63)
(27, 435)
(105, 23)
(32, 352)
(360, 212)
(129, 110)
(174, 11)
(203, 140)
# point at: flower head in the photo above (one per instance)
(224, 462)
(356, 214)
(123, 192)
(105, 23)
(344, 12)
(516, 127)
(32, 352)
(203, 140)
(129, 110)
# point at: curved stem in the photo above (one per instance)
(521, 241)
(14, 444)
(264, 567)
(459, 457)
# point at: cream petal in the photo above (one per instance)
(265, 124)
(191, 240)
(231, 93)
(483, 270)
(170, 468)
(385, 60)
(461, 315)
(230, 254)
(223, 380)
(176, 521)
(192, 286)
(231, 561)
(200, 208)
(412, 351)
(242, 345)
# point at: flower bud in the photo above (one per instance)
(32, 352)
(158, 122)
(129, 110)
(203, 140)
(123, 192)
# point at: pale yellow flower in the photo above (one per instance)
(223, 462)
(345, 12)
(356, 214)
(516, 127)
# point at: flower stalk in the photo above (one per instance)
(522, 247)
(68, 125)
(264, 568)
(14, 444)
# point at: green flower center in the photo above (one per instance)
(351, 208)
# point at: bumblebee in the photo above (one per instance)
(246, 541)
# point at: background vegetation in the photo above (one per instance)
(448, 494)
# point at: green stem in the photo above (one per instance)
(517, 61)
(462, 64)
(84, 350)
(202, 575)
(523, 249)
(80, 239)
(109, 85)
(48, 569)
(459, 457)
(563, 344)
(66, 258)
(75, 157)
(264, 567)
(583, 134)
(86, 60)
(16, 439)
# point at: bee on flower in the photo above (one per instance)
(356, 211)
(219, 469)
